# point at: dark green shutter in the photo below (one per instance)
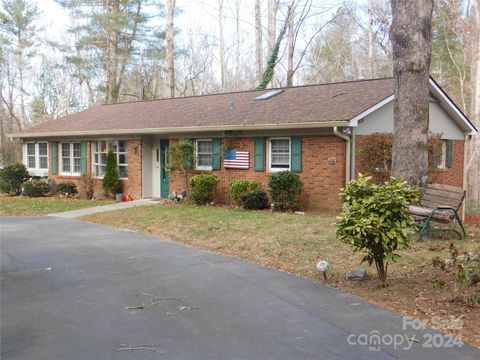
(449, 153)
(259, 154)
(216, 154)
(53, 157)
(83, 160)
(296, 157)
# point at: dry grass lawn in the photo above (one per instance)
(294, 243)
(27, 206)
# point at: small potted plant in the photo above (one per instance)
(118, 191)
(111, 180)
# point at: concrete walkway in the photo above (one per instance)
(80, 291)
(98, 209)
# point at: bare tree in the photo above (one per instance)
(221, 23)
(370, 39)
(411, 44)
(169, 8)
(258, 41)
(290, 41)
(272, 24)
(473, 145)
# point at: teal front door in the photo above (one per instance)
(164, 187)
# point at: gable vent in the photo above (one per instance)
(269, 94)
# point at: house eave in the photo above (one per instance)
(181, 130)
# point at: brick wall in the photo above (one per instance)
(323, 171)
(449, 176)
(131, 186)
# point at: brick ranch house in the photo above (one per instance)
(313, 130)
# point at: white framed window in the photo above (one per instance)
(204, 154)
(71, 158)
(99, 157)
(279, 151)
(442, 160)
(36, 158)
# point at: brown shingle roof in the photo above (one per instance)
(301, 104)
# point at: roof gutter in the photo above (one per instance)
(181, 130)
(348, 152)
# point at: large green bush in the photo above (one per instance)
(202, 188)
(285, 188)
(240, 187)
(375, 220)
(12, 177)
(67, 187)
(111, 179)
(254, 200)
(35, 188)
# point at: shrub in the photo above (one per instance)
(465, 271)
(88, 186)
(285, 188)
(181, 158)
(35, 188)
(240, 187)
(111, 180)
(203, 188)
(67, 187)
(375, 155)
(12, 177)
(375, 219)
(254, 200)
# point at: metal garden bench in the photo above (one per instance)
(439, 204)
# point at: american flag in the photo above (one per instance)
(234, 159)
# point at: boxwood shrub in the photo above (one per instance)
(35, 188)
(67, 187)
(240, 187)
(254, 200)
(12, 177)
(285, 188)
(202, 188)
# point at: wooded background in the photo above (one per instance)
(126, 50)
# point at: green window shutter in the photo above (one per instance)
(53, 157)
(83, 160)
(259, 154)
(216, 156)
(296, 154)
(449, 153)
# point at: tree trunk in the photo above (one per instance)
(237, 44)
(169, 8)
(111, 95)
(411, 43)
(290, 42)
(272, 24)
(371, 71)
(473, 145)
(258, 41)
(222, 44)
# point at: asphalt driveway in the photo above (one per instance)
(74, 290)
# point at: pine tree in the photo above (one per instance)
(111, 180)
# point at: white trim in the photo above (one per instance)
(354, 121)
(35, 171)
(183, 130)
(269, 153)
(457, 116)
(444, 98)
(197, 167)
(92, 156)
(71, 159)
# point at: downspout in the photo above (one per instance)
(347, 151)
(466, 165)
